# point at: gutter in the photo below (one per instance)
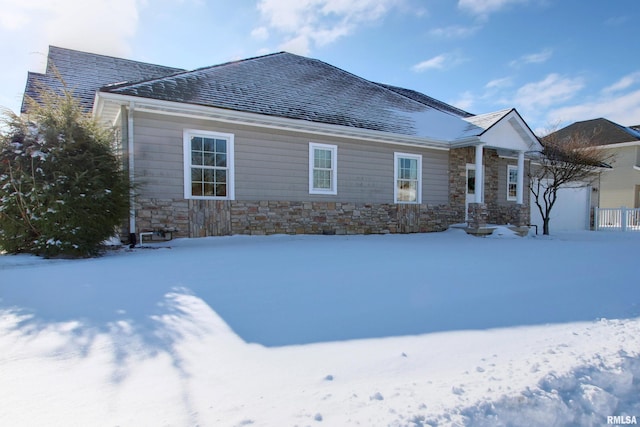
(252, 119)
(469, 141)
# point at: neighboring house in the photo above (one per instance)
(620, 185)
(287, 144)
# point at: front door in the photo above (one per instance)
(471, 189)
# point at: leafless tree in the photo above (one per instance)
(566, 161)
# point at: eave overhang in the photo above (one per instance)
(107, 106)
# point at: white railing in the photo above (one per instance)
(617, 219)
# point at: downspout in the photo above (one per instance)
(132, 209)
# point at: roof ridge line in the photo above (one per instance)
(126, 84)
(109, 56)
(387, 86)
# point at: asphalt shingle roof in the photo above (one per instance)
(427, 100)
(84, 73)
(296, 87)
(280, 85)
(600, 131)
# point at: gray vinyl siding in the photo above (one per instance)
(272, 164)
(158, 157)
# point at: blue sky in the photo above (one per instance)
(556, 61)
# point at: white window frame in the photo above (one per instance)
(334, 168)
(396, 179)
(229, 137)
(509, 169)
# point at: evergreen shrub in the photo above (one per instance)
(62, 190)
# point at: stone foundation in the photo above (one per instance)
(517, 215)
(478, 216)
(199, 218)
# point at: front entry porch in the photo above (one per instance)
(490, 174)
(492, 194)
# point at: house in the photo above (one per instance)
(287, 144)
(620, 185)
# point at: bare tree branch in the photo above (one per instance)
(571, 161)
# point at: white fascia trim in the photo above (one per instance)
(231, 116)
(98, 105)
(466, 142)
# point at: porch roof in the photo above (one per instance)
(503, 130)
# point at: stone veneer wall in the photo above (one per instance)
(518, 215)
(199, 218)
(497, 213)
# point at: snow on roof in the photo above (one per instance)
(84, 73)
(280, 85)
(296, 87)
(427, 100)
(487, 120)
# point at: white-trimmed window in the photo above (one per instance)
(208, 165)
(323, 168)
(512, 182)
(408, 178)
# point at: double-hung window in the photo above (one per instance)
(208, 165)
(323, 168)
(408, 178)
(512, 182)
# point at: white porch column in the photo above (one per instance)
(479, 175)
(520, 186)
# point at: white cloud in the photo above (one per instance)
(260, 33)
(533, 58)
(454, 31)
(298, 45)
(623, 109)
(12, 19)
(553, 89)
(98, 25)
(465, 101)
(485, 7)
(440, 62)
(437, 62)
(612, 102)
(499, 83)
(304, 23)
(624, 83)
(617, 21)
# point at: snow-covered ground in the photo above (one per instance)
(399, 330)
